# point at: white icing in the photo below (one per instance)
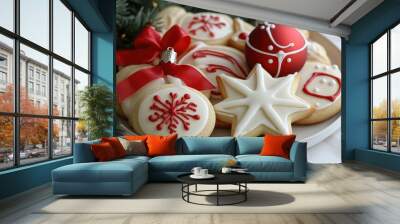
(219, 32)
(270, 61)
(270, 47)
(196, 126)
(325, 85)
(317, 53)
(281, 54)
(289, 60)
(260, 101)
(203, 62)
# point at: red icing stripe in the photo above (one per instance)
(214, 67)
(314, 76)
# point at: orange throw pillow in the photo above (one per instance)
(277, 145)
(135, 137)
(103, 152)
(161, 145)
(116, 145)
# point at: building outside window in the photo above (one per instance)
(57, 125)
(385, 92)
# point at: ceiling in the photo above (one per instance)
(326, 16)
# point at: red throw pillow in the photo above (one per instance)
(277, 145)
(103, 152)
(116, 145)
(161, 145)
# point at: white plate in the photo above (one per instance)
(208, 176)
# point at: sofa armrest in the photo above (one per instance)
(83, 152)
(298, 155)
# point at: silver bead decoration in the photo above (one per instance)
(169, 55)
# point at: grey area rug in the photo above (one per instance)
(166, 198)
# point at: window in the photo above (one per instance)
(54, 65)
(385, 94)
(30, 87)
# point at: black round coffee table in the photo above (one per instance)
(238, 179)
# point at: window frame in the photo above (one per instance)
(16, 114)
(388, 74)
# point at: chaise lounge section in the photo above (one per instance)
(125, 176)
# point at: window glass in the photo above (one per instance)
(6, 74)
(34, 21)
(379, 56)
(7, 14)
(62, 91)
(81, 131)
(62, 29)
(395, 47)
(395, 94)
(395, 136)
(379, 135)
(81, 45)
(39, 62)
(33, 139)
(62, 137)
(379, 97)
(6, 142)
(81, 82)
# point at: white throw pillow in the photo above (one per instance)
(134, 147)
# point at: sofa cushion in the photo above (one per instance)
(249, 145)
(104, 152)
(185, 163)
(113, 171)
(257, 163)
(206, 145)
(161, 145)
(277, 145)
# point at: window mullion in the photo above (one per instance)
(50, 81)
(389, 104)
(16, 70)
(73, 82)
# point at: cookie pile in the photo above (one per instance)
(207, 70)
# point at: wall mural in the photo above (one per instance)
(198, 73)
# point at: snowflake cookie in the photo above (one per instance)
(212, 28)
(173, 108)
(260, 104)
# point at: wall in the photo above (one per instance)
(355, 50)
(98, 15)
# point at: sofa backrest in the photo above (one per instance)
(83, 152)
(206, 145)
(249, 145)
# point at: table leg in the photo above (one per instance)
(195, 188)
(217, 194)
(245, 193)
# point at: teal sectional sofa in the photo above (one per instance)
(125, 176)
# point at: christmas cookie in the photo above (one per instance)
(168, 17)
(260, 104)
(212, 28)
(320, 85)
(214, 60)
(317, 53)
(306, 33)
(280, 49)
(176, 109)
(128, 103)
(242, 31)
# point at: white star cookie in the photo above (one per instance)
(260, 104)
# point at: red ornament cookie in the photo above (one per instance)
(174, 108)
(280, 49)
(212, 28)
(320, 85)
